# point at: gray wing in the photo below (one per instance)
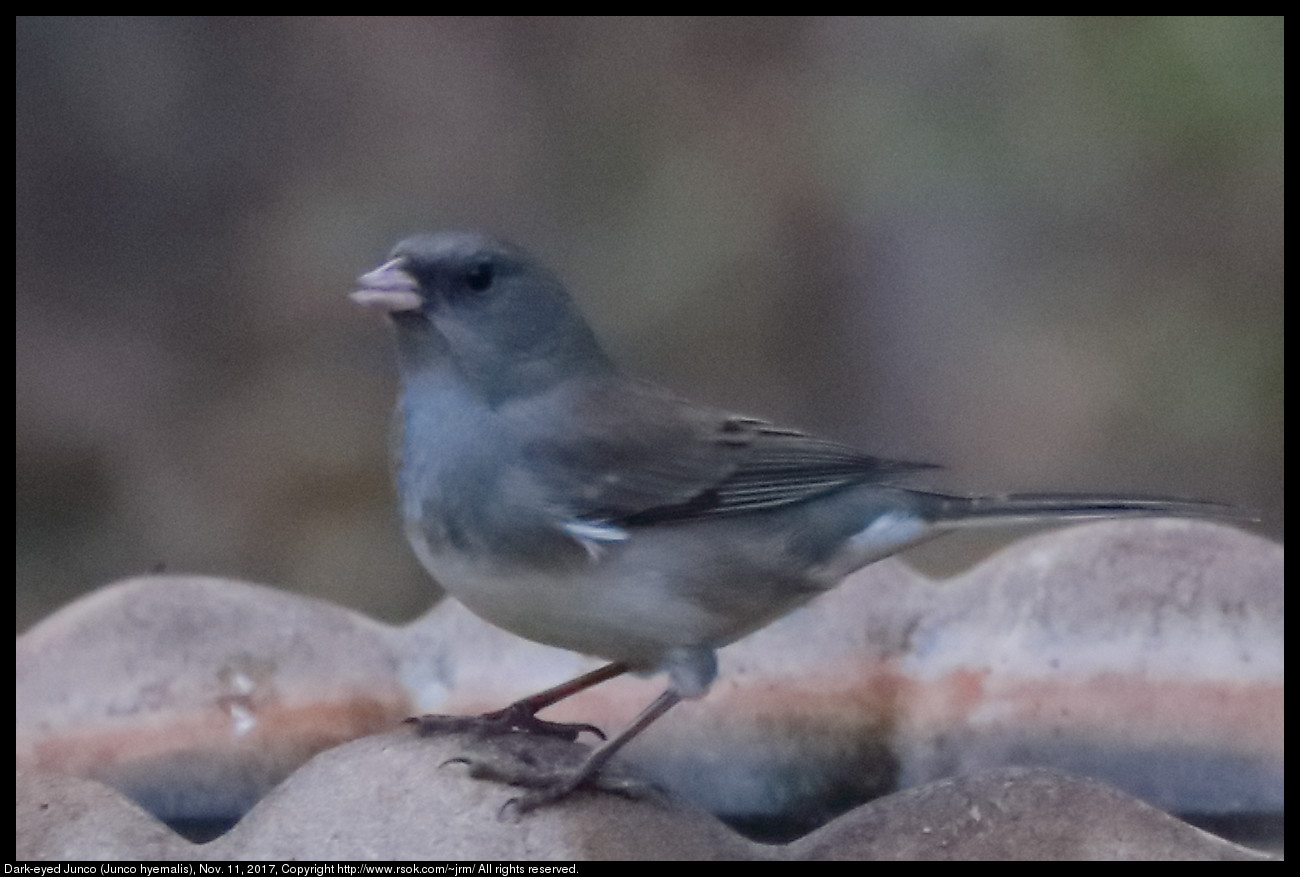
(627, 454)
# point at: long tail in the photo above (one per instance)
(1021, 508)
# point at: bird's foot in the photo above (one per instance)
(518, 717)
(550, 774)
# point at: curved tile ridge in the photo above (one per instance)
(1145, 653)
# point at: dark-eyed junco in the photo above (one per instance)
(575, 506)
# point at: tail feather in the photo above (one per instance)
(1020, 508)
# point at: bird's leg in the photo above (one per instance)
(522, 714)
(553, 785)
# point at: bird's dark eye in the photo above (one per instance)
(479, 277)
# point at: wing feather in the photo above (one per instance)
(681, 460)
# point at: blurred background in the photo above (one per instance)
(1047, 253)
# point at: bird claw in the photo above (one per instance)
(520, 717)
(519, 806)
(546, 787)
(548, 773)
(516, 717)
(541, 795)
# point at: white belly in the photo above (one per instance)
(633, 602)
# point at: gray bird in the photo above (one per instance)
(572, 505)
